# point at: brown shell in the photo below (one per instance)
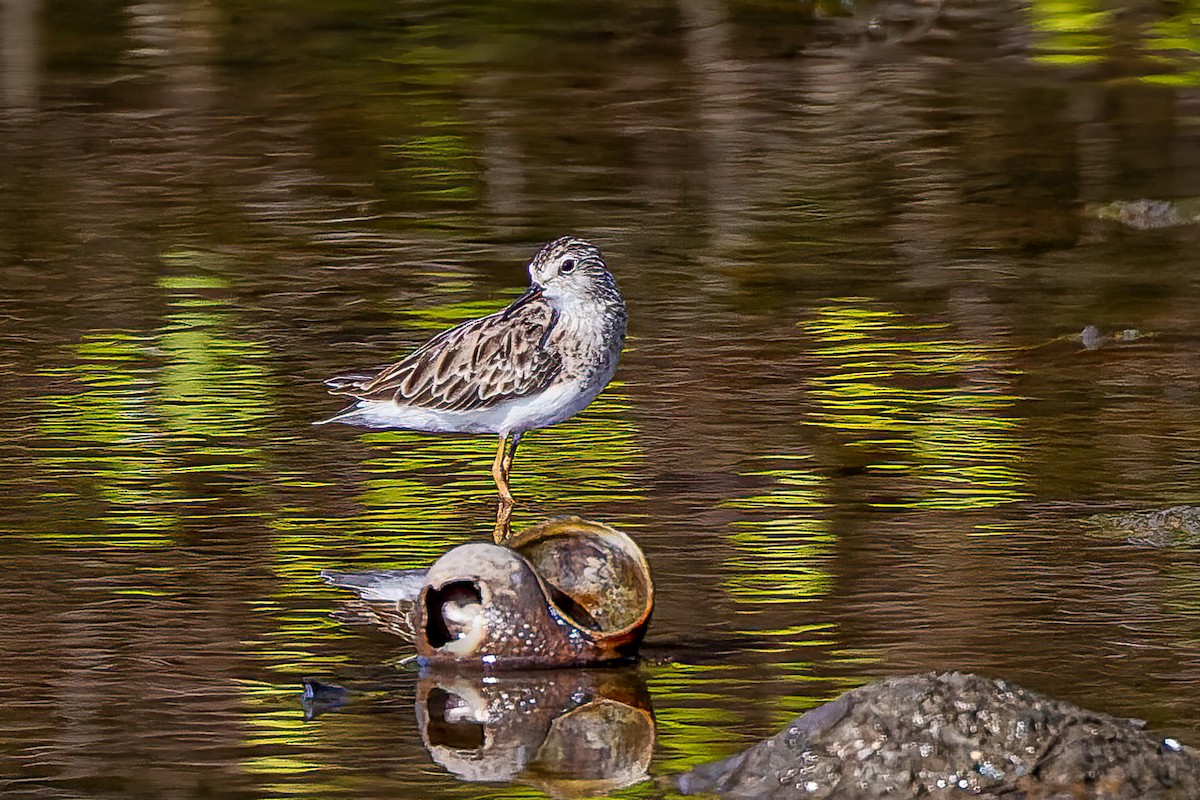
(565, 592)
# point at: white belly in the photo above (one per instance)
(560, 402)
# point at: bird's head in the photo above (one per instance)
(569, 271)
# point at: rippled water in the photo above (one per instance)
(855, 428)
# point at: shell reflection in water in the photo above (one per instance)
(565, 592)
(570, 733)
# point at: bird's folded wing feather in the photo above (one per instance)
(473, 366)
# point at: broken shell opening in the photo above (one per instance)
(596, 576)
(454, 618)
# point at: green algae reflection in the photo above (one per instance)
(147, 411)
(1074, 33)
(932, 410)
(571, 468)
(782, 558)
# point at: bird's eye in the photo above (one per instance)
(567, 266)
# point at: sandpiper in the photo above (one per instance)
(534, 364)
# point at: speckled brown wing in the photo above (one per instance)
(474, 366)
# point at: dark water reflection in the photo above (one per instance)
(852, 430)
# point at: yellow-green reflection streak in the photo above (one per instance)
(576, 467)
(1175, 45)
(689, 712)
(274, 727)
(431, 159)
(701, 718)
(447, 315)
(100, 443)
(1071, 32)
(148, 410)
(439, 165)
(301, 636)
(787, 703)
(1081, 32)
(424, 493)
(781, 555)
(920, 403)
(781, 559)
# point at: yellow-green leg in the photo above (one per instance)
(501, 468)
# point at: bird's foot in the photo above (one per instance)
(503, 518)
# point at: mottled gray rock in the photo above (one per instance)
(1167, 527)
(954, 735)
(1093, 339)
(1147, 215)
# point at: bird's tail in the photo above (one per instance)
(348, 415)
(395, 585)
(385, 598)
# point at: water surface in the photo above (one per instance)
(855, 428)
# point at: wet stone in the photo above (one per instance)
(1147, 214)
(1167, 527)
(943, 735)
(1092, 338)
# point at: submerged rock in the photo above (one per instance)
(1167, 527)
(1093, 339)
(1148, 214)
(949, 736)
(319, 698)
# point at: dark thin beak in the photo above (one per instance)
(532, 293)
